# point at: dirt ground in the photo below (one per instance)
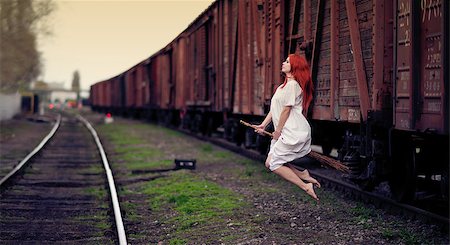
(19, 136)
(272, 211)
(269, 211)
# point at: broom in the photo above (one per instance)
(319, 157)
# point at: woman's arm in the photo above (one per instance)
(263, 125)
(283, 118)
(267, 120)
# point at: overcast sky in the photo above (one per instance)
(103, 38)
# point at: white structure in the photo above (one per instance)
(62, 95)
(9, 105)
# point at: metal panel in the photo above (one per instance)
(108, 93)
(130, 88)
(420, 89)
(153, 82)
(164, 79)
(334, 60)
(180, 68)
(431, 101)
(404, 76)
(355, 37)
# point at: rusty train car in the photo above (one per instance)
(380, 70)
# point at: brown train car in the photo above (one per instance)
(231, 54)
(108, 93)
(137, 89)
(130, 89)
(242, 56)
(154, 87)
(102, 94)
(164, 61)
(93, 96)
(115, 93)
(380, 72)
(180, 77)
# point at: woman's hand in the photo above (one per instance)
(276, 134)
(259, 129)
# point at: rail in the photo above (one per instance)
(31, 154)
(115, 201)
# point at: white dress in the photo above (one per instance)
(295, 139)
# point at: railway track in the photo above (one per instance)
(60, 191)
(333, 179)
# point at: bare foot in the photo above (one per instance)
(310, 179)
(310, 191)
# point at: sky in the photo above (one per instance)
(103, 38)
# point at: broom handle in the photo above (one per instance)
(254, 127)
(323, 159)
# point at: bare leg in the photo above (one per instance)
(288, 174)
(304, 175)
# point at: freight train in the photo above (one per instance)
(380, 70)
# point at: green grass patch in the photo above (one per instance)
(388, 233)
(98, 192)
(120, 134)
(177, 241)
(130, 211)
(133, 149)
(403, 234)
(362, 212)
(222, 154)
(93, 169)
(165, 163)
(408, 237)
(103, 225)
(140, 154)
(196, 201)
(364, 216)
(206, 147)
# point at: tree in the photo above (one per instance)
(76, 83)
(21, 21)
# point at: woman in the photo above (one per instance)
(292, 135)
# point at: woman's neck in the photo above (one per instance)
(289, 75)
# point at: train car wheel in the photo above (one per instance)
(186, 121)
(210, 126)
(250, 138)
(403, 179)
(197, 123)
(262, 144)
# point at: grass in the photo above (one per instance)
(388, 233)
(130, 211)
(177, 241)
(99, 215)
(93, 169)
(363, 215)
(133, 149)
(103, 225)
(403, 234)
(362, 212)
(98, 192)
(119, 134)
(196, 201)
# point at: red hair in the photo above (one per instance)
(301, 73)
